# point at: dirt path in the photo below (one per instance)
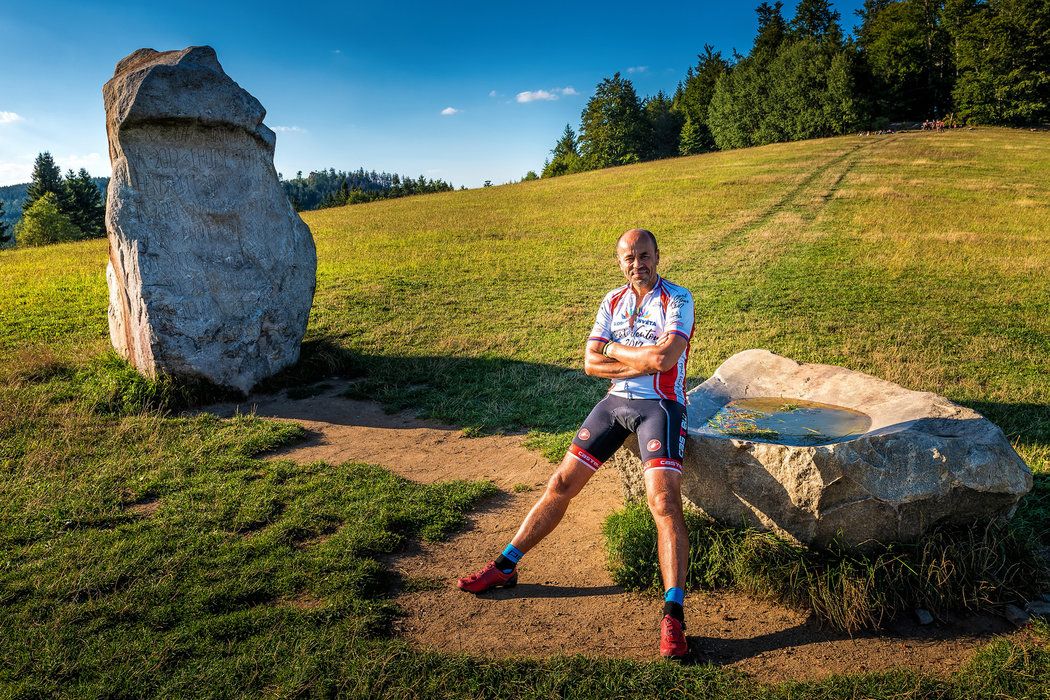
(566, 601)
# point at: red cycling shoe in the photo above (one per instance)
(672, 638)
(488, 578)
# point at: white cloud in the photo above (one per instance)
(10, 118)
(638, 69)
(290, 129)
(449, 111)
(536, 95)
(545, 95)
(493, 93)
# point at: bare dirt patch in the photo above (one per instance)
(145, 508)
(566, 601)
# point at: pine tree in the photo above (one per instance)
(565, 155)
(772, 30)
(44, 223)
(85, 207)
(692, 139)
(612, 126)
(46, 178)
(693, 99)
(664, 127)
(815, 19)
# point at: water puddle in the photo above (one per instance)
(786, 421)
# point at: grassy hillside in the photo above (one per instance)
(920, 258)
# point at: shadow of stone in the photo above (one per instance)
(486, 394)
(721, 651)
(1025, 422)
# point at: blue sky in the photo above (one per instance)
(466, 92)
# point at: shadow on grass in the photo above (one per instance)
(1024, 422)
(720, 650)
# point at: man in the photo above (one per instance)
(640, 341)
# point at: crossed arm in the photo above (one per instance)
(625, 362)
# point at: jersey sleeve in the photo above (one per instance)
(602, 329)
(680, 315)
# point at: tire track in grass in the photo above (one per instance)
(793, 198)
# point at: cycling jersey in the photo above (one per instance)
(668, 308)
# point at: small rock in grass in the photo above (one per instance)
(1038, 607)
(924, 617)
(1015, 615)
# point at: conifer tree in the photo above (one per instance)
(47, 177)
(692, 139)
(565, 155)
(693, 99)
(814, 19)
(772, 31)
(85, 207)
(612, 126)
(664, 127)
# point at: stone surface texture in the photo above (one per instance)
(924, 460)
(211, 272)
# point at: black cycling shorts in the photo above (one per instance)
(659, 423)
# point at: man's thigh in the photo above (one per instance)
(600, 435)
(661, 434)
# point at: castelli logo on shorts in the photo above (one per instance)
(584, 434)
(653, 445)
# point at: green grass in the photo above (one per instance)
(145, 555)
(976, 569)
(919, 258)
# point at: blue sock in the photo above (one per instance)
(673, 599)
(509, 559)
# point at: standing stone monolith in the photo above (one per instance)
(211, 272)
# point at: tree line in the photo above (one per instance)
(56, 208)
(966, 61)
(333, 188)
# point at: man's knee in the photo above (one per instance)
(563, 484)
(664, 504)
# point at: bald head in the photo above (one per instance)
(632, 236)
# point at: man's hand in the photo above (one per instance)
(650, 359)
(598, 365)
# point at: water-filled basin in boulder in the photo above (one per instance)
(884, 464)
(787, 421)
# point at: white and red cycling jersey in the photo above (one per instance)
(668, 308)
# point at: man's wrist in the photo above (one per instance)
(607, 349)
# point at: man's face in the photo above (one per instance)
(638, 259)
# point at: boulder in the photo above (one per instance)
(923, 461)
(211, 272)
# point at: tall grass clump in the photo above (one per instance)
(969, 569)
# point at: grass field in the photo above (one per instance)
(920, 258)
